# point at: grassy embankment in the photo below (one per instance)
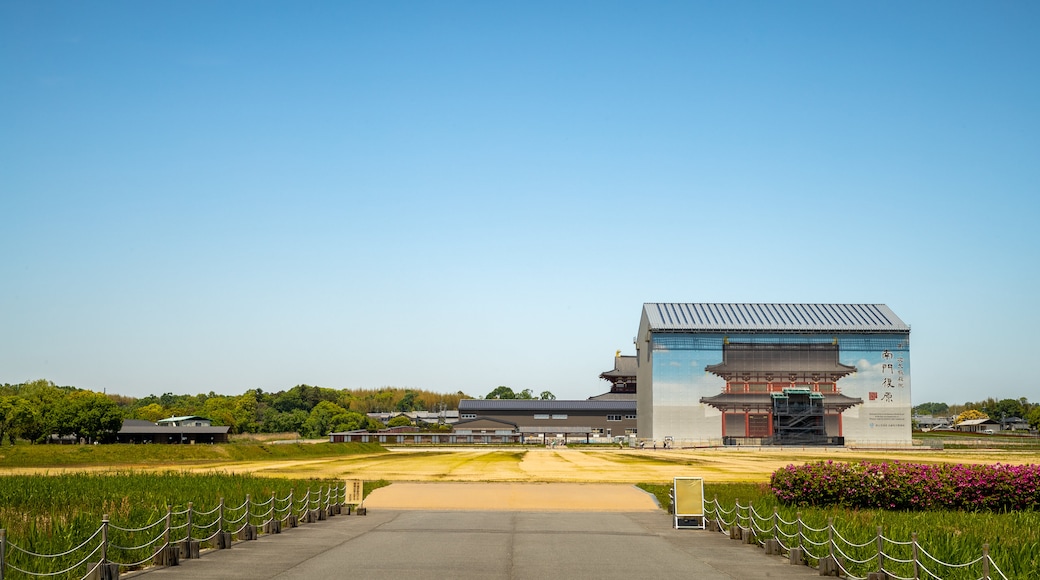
(117, 456)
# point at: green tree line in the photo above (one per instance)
(35, 410)
(993, 408)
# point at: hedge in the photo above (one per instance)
(909, 486)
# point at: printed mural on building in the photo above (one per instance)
(782, 388)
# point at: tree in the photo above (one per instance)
(152, 412)
(408, 402)
(1004, 408)
(373, 425)
(932, 409)
(323, 418)
(399, 421)
(350, 421)
(220, 410)
(525, 394)
(501, 392)
(88, 415)
(1034, 417)
(10, 408)
(274, 421)
(247, 412)
(36, 420)
(547, 396)
(98, 416)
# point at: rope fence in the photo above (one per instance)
(878, 558)
(177, 535)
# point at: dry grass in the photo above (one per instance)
(587, 465)
(608, 465)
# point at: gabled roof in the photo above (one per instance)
(482, 421)
(718, 317)
(624, 366)
(163, 430)
(986, 421)
(182, 418)
(754, 360)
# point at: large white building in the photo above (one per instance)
(773, 374)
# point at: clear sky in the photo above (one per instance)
(221, 196)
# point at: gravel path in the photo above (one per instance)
(513, 497)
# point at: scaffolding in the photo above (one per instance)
(799, 418)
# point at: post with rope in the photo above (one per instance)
(248, 529)
(797, 553)
(189, 548)
(985, 561)
(169, 555)
(3, 552)
(321, 513)
(103, 570)
(290, 518)
(273, 525)
(337, 508)
(734, 530)
(880, 551)
(829, 564)
(223, 537)
(750, 537)
(772, 545)
(917, 563)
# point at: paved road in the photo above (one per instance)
(488, 545)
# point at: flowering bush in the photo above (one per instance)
(909, 486)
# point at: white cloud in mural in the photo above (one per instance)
(686, 393)
(870, 377)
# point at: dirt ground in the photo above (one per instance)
(555, 497)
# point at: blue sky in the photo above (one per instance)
(221, 196)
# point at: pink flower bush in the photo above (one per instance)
(909, 486)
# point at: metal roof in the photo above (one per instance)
(557, 429)
(467, 405)
(163, 430)
(182, 418)
(717, 317)
(986, 421)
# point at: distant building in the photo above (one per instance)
(445, 417)
(592, 421)
(185, 421)
(978, 426)
(1015, 424)
(928, 422)
(622, 379)
(137, 431)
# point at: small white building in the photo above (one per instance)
(185, 421)
(978, 426)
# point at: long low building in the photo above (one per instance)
(484, 421)
(592, 421)
(137, 431)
